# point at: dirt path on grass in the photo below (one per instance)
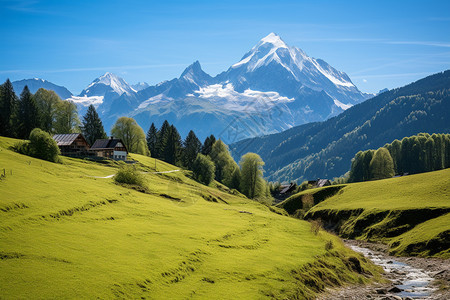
(410, 277)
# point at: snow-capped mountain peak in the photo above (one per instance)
(117, 84)
(273, 39)
(271, 60)
(195, 75)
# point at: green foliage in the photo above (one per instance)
(92, 127)
(161, 139)
(203, 169)
(131, 134)
(252, 182)
(66, 118)
(152, 140)
(41, 145)
(27, 115)
(171, 146)
(47, 103)
(381, 166)
(225, 165)
(129, 175)
(192, 147)
(414, 154)
(207, 145)
(8, 107)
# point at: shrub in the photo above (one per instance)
(329, 245)
(316, 225)
(203, 169)
(129, 175)
(41, 145)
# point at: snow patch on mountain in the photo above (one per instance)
(227, 91)
(342, 105)
(86, 100)
(153, 100)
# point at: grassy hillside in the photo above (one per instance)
(411, 213)
(325, 149)
(66, 234)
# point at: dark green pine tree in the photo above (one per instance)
(192, 147)
(172, 150)
(8, 106)
(27, 114)
(207, 145)
(161, 139)
(92, 126)
(152, 140)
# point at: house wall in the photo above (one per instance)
(120, 155)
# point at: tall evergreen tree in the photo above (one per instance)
(152, 140)
(192, 147)
(207, 145)
(161, 139)
(27, 115)
(92, 126)
(172, 146)
(8, 106)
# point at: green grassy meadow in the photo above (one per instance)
(66, 234)
(410, 213)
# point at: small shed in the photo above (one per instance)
(72, 144)
(110, 148)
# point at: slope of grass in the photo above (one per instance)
(409, 213)
(66, 234)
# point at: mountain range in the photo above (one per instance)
(37, 83)
(273, 87)
(325, 149)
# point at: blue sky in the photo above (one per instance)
(377, 43)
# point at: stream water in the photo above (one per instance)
(412, 282)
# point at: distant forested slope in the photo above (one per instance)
(325, 149)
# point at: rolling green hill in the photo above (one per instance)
(325, 149)
(410, 213)
(67, 231)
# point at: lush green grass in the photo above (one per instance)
(66, 234)
(409, 213)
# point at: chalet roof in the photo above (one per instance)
(322, 182)
(287, 188)
(65, 139)
(106, 144)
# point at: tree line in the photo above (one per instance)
(44, 110)
(414, 154)
(208, 160)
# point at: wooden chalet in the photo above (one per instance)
(110, 148)
(72, 144)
